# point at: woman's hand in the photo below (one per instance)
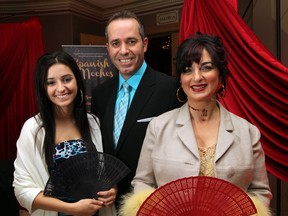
(108, 197)
(86, 207)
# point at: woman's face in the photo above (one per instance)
(61, 85)
(200, 81)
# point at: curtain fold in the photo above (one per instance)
(21, 46)
(257, 88)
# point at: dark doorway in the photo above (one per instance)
(158, 54)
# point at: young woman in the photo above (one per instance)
(60, 130)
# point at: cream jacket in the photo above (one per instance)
(31, 173)
(170, 152)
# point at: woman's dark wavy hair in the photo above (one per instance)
(45, 106)
(191, 51)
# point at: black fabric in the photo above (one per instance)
(9, 203)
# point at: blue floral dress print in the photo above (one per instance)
(67, 149)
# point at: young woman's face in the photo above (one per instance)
(200, 82)
(61, 85)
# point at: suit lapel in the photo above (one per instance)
(143, 93)
(111, 92)
(185, 132)
(225, 138)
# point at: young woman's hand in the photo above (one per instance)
(86, 207)
(108, 197)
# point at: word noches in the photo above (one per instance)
(89, 74)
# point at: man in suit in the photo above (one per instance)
(152, 93)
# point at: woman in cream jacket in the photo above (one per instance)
(202, 137)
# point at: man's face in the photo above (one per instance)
(125, 46)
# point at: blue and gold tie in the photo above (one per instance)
(120, 113)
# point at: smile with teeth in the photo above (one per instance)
(198, 87)
(62, 96)
(125, 60)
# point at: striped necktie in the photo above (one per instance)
(120, 113)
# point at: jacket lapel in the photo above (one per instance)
(110, 114)
(143, 93)
(225, 138)
(185, 131)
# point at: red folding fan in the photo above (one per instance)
(198, 196)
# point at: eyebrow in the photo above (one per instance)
(202, 64)
(115, 40)
(208, 62)
(66, 75)
(127, 39)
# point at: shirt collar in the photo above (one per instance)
(135, 79)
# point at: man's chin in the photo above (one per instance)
(126, 70)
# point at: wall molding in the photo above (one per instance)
(84, 8)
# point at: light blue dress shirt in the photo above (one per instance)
(133, 82)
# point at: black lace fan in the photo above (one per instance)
(83, 175)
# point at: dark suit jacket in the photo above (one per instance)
(155, 95)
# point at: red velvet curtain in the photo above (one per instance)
(21, 46)
(257, 89)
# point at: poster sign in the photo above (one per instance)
(167, 17)
(94, 63)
